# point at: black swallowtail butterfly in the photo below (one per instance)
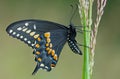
(46, 38)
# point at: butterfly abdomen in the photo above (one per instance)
(74, 47)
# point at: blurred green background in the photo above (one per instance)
(17, 60)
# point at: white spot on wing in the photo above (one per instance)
(34, 27)
(21, 37)
(19, 28)
(18, 35)
(46, 67)
(36, 36)
(25, 39)
(42, 65)
(24, 29)
(32, 44)
(10, 31)
(29, 42)
(26, 24)
(71, 42)
(14, 33)
(28, 31)
(32, 33)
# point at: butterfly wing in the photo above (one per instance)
(47, 54)
(46, 38)
(26, 30)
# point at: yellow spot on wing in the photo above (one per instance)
(50, 45)
(38, 39)
(37, 45)
(47, 44)
(48, 40)
(53, 52)
(37, 53)
(32, 33)
(36, 36)
(28, 31)
(55, 57)
(47, 48)
(39, 59)
(49, 51)
(47, 34)
(24, 29)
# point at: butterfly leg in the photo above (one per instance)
(83, 45)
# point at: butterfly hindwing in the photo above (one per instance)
(48, 53)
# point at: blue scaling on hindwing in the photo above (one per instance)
(44, 54)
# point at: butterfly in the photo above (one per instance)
(46, 38)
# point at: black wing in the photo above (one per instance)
(26, 29)
(46, 38)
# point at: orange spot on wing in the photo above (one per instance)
(52, 65)
(48, 40)
(47, 34)
(36, 36)
(47, 44)
(38, 39)
(37, 53)
(39, 59)
(53, 52)
(49, 51)
(47, 48)
(55, 57)
(37, 45)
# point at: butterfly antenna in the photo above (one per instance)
(73, 12)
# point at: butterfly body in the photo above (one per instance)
(46, 38)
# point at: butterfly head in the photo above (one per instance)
(72, 32)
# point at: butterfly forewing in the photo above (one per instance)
(28, 30)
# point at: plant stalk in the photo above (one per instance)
(86, 73)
